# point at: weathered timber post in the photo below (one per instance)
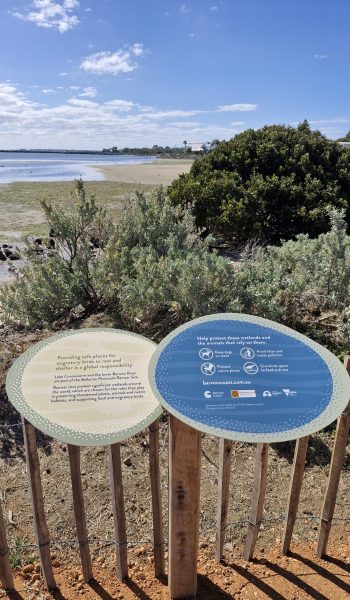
(41, 530)
(184, 492)
(225, 452)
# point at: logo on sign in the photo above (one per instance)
(206, 353)
(207, 394)
(289, 392)
(243, 393)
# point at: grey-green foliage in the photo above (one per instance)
(152, 269)
(303, 283)
(157, 269)
(51, 284)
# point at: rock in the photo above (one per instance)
(139, 551)
(28, 568)
(35, 577)
(2, 255)
(127, 461)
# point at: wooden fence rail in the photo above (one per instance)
(338, 454)
(6, 576)
(296, 481)
(41, 530)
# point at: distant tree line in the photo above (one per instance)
(165, 151)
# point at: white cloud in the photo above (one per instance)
(74, 88)
(82, 103)
(213, 9)
(120, 105)
(88, 92)
(48, 91)
(237, 107)
(113, 63)
(322, 56)
(63, 74)
(51, 14)
(115, 122)
(171, 114)
(184, 9)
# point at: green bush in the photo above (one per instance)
(304, 284)
(158, 271)
(53, 283)
(268, 184)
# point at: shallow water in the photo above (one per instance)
(52, 166)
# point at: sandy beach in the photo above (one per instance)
(160, 172)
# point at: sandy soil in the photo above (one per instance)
(160, 172)
(300, 576)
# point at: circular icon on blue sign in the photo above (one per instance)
(251, 368)
(208, 368)
(203, 373)
(206, 353)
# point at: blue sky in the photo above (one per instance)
(100, 73)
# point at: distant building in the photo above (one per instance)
(197, 147)
(345, 144)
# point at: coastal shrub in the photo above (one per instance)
(272, 183)
(152, 269)
(158, 270)
(55, 282)
(304, 283)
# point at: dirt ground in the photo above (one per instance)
(269, 576)
(297, 577)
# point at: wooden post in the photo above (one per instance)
(5, 565)
(340, 442)
(184, 492)
(158, 535)
(225, 451)
(260, 477)
(115, 470)
(79, 511)
(41, 530)
(294, 491)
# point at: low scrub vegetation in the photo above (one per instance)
(152, 270)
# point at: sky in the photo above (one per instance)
(92, 74)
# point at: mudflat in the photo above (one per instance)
(160, 172)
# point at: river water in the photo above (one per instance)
(52, 166)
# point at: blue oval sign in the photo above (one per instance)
(248, 378)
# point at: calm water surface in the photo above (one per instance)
(42, 166)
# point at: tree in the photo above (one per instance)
(269, 184)
(185, 144)
(346, 138)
